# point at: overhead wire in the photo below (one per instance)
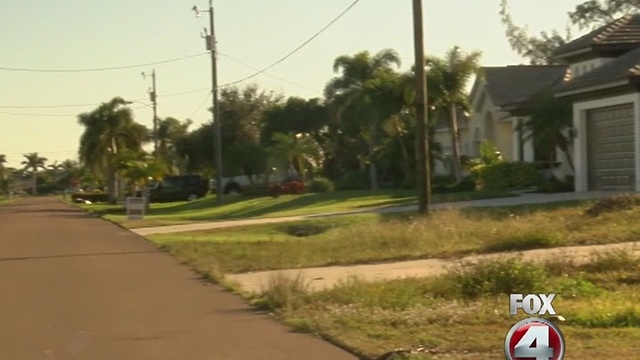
(269, 75)
(4, 68)
(258, 72)
(298, 48)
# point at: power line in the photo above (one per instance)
(96, 103)
(51, 115)
(267, 74)
(206, 99)
(102, 69)
(297, 48)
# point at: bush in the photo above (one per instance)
(500, 277)
(614, 204)
(354, 180)
(555, 185)
(506, 175)
(93, 197)
(465, 185)
(321, 185)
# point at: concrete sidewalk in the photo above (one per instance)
(322, 278)
(77, 287)
(522, 199)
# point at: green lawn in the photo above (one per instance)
(369, 238)
(464, 314)
(239, 207)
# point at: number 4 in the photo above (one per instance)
(542, 351)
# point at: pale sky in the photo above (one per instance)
(81, 34)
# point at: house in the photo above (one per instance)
(604, 88)
(501, 99)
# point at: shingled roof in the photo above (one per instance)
(621, 69)
(621, 33)
(507, 85)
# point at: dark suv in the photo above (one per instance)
(179, 188)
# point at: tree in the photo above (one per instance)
(32, 164)
(593, 13)
(296, 115)
(549, 126)
(539, 50)
(299, 150)
(241, 113)
(3, 178)
(454, 72)
(362, 76)
(169, 133)
(109, 129)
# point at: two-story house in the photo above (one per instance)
(604, 88)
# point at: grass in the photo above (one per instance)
(4, 200)
(369, 238)
(239, 207)
(464, 313)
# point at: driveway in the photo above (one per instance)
(77, 287)
(522, 199)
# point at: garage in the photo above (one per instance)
(611, 148)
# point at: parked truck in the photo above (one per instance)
(242, 183)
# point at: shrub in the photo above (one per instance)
(354, 180)
(321, 185)
(500, 277)
(555, 185)
(489, 153)
(93, 197)
(506, 175)
(465, 185)
(614, 204)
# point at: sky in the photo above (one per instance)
(35, 107)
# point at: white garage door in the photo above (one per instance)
(610, 148)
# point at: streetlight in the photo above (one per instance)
(210, 39)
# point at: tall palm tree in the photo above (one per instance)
(32, 163)
(455, 70)
(300, 150)
(109, 129)
(362, 76)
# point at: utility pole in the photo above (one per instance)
(422, 138)
(211, 42)
(154, 100)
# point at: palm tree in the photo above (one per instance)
(32, 164)
(109, 129)
(300, 150)
(455, 70)
(549, 126)
(362, 76)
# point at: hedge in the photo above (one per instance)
(506, 175)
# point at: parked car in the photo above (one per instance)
(179, 188)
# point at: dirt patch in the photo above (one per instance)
(306, 230)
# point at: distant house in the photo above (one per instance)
(604, 88)
(501, 99)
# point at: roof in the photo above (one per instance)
(507, 85)
(620, 32)
(620, 69)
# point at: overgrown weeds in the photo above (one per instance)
(614, 204)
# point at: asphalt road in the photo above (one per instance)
(76, 287)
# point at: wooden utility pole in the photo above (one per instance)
(422, 138)
(211, 42)
(153, 95)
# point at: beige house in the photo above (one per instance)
(500, 100)
(604, 89)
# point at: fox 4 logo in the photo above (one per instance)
(533, 338)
